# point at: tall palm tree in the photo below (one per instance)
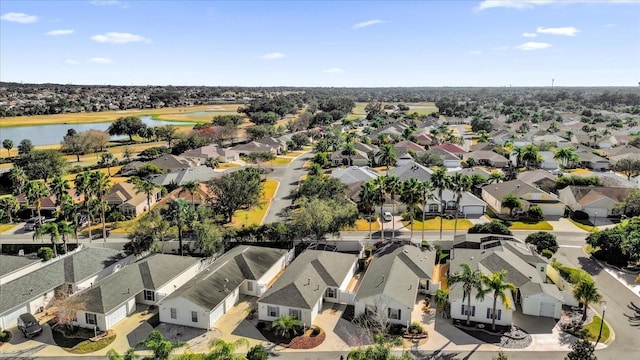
(18, 179)
(517, 151)
(143, 186)
(460, 184)
(426, 194)
(411, 195)
(530, 155)
(349, 150)
(471, 280)
(82, 183)
(58, 188)
(367, 199)
(223, 350)
(393, 185)
(566, 156)
(499, 289)
(8, 144)
(10, 205)
(191, 187)
(586, 292)
(441, 181)
(34, 191)
(381, 192)
(50, 229)
(64, 229)
(177, 213)
(496, 177)
(387, 156)
(100, 185)
(107, 159)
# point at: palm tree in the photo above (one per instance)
(223, 350)
(566, 156)
(10, 205)
(51, 229)
(517, 151)
(568, 135)
(511, 202)
(496, 177)
(34, 191)
(426, 194)
(58, 188)
(143, 186)
(387, 156)
(460, 184)
(498, 287)
(410, 195)
(441, 181)
(64, 229)
(471, 280)
(129, 355)
(392, 184)
(286, 325)
(530, 155)
(586, 292)
(177, 213)
(367, 199)
(191, 187)
(18, 179)
(8, 144)
(349, 150)
(161, 348)
(107, 159)
(100, 185)
(82, 183)
(379, 185)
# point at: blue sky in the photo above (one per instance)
(324, 43)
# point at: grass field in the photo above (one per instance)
(594, 328)
(585, 227)
(278, 161)
(540, 225)
(434, 224)
(255, 215)
(363, 225)
(6, 227)
(425, 108)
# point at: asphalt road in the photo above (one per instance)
(288, 176)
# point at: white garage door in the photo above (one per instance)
(552, 210)
(216, 314)
(473, 210)
(230, 301)
(118, 315)
(547, 309)
(11, 319)
(602, 213)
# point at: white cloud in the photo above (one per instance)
(531, 45)
(71, 62)
(364, 24)
(529, 35)
(475, 52)
(564, 31)
(99, 60)
(334, 70)
(119, 38)
(21, 18)
(60, 32)
(273, 56)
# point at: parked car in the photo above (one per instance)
(386, 216)
(33, 223)
(29, 326)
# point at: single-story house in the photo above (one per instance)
(201, 154)
(594, 200)
(128, 201)
(449, 160)
(198, 174)
(405, 146)
(548, 162)
(592, 161)
(412, 170)
(525, 269)
(199, 197)
(28, 286)
(172, 163)
(470, 205)
(487, 158)
(243, 270)
(451, 148)
(354, 174)
(393, 280)
(314, 277)
(539, 178)
(493, 194)
(147, 281)
(362, 157)
(254, 147)
(553, 139)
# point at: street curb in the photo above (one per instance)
(270, 202)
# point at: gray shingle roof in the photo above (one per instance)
(412, 170)
(197, 174)
(395, 272)
(209, 288)
(354, 174)
(516, 187)
(9, 263)
(304, 282)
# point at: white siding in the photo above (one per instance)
(481, 310)
(307, 315)
(260, 286)
(41, 301)
(100, 318)
(384, 303)
(216, 314)
(175, 283)
(531, 305)
(231, 300)
(349, 276)
(10, 318)
(183, 308)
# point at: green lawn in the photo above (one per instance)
(280, 160)
(434, 224)
(6, 227)
(585, 227)
(89, 346)
(522, 225)
(594, 328)
(255, 215)
(363, 225)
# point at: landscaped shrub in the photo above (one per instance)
(535, 212)
(494, 227)
(45, 253)
(543, 240)
(579, 215)
(416, 328)
(257, 352)
(547, 253)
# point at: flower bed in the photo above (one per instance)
(310, 339)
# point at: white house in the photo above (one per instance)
(244, 270)
(493, 194)
(594, 200)
(314, 277)
(395, 277)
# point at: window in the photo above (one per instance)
(90, 319)
(433, 208)
(194, 316)
(489, 313)
(249, 285)
(394, 314)
(330, 293)
(424, 284)
(295, 313)
(273, 311)
(174, 313)
(465, 310)
(149, 295)
(451, 205)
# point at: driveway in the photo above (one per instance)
(288, 177)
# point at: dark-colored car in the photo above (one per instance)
(29, 326)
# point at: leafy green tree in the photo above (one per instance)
(496, 285)
(260, 157)
(76, 144)
(239, 189)
(494, 227)
(177, 214)
(129, 125)
(567, 156)
(223, 350)
(161, 347)
(258, 352)
(535, 212)
(586, 292)
(166, 133)
(207, 237)
(349, 150)
(7, 144)
(543, 240)
(322, 187)
(34, 191)
(582, 349)
(501, 356)
(129, 355)
(25, 147)
(315, 170)
(286, 325)
(10, 206)
(441, 181)
(319, 217)
(471, 281)
(147, 232)
(42, 164)
(631, 246)
(629, 167)
(380, 350)
(45, 253)
(511, 202)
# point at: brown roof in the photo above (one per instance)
(588, 194)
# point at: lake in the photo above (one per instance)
(53, 134)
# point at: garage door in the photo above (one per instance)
(11, 319)
(118, 315)
(216, 314)
(602, 213)
(552, 210)
(547, 309)
(230, 301)
(473, 210)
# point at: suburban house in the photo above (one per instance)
(451, 148)
(201, 154)
(406, 146)
(470, 205)
(412, 170)
(314, 277)
(449, 160)
(362, 157)
(172, 163)
(487, 158)
(47, 204)
(199, 196)
(354, 174)
(594, 200)
(27, 286)
(244, 270)
(128, 201)
(393, 280)
(254, 147)
(539, 178)
(552, 139)
(198, 174)
(529, 195)
(592, 161)
(547, 161)
(278, 144)
(145, 282)
(525, 269)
